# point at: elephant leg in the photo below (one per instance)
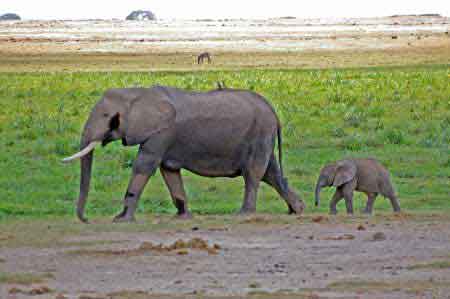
(134, 190)
(394, 202)
(337, 196)
(254, 171)
(347, 192)
(274, 178)
(174, 183)
(144, 167)
(370, 200)
(251, 191)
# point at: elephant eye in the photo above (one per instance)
(105, 114)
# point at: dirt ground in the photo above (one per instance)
(114, 45)
(260, 256)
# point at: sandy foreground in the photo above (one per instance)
(260, 256)
(274, 43)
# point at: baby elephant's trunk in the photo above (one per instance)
(319, 186)
(317, 196)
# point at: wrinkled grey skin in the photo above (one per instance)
(202, 57)
(220, 133)
(365, 175)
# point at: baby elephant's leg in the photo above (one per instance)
(390, 194)
(370, 200)
(337, 196)
(394, 202)
(347, 191)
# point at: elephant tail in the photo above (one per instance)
(280, 157)
(280, 152)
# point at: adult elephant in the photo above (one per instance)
(220, 133)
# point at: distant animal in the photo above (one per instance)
(221, 85)
(220, 133)
(365, 175)
(202, 57)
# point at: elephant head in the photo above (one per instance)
(131, 115)
(335, 174)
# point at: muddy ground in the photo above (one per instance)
(261, 256)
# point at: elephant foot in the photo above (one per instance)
(333, 212)
(366, 212)
(296, 207)
(246, 211)
(124, 219)
(184, 216)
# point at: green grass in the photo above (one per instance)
(399, 115)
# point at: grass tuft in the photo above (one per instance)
(24, 278)
(434, 265)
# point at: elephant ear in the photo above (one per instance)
(345, 172)
(148, 114)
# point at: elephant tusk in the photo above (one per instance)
(83, 152)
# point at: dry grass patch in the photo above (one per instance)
(395, 286)
(127, 294)
(17, 57)
(24, 278)
(433, 265)
(357, 285)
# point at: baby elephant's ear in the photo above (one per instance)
(345, 172)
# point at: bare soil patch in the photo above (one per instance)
(261, 256)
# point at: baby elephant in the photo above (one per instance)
(365, 175)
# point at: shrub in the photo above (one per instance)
(352, 142)
(394, 136)
(354, 118)
(337, 132)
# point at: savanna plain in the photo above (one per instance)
(389, 103)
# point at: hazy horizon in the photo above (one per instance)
(231, 9)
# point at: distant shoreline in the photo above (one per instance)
(424, 15)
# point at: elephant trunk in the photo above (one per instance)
(86, 166)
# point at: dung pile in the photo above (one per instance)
(181, 246)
